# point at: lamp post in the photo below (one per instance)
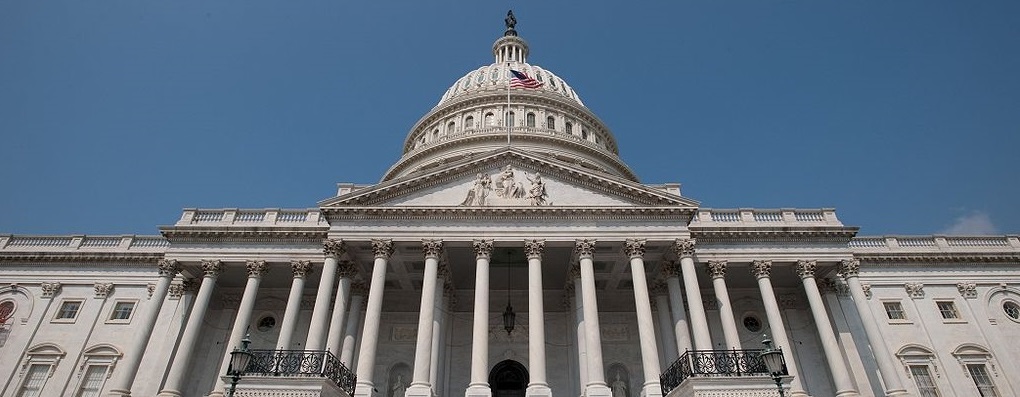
(239, 359)
(774, 363)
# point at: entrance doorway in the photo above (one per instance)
(508, 379)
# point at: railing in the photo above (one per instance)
(298, 363)
(712, 363)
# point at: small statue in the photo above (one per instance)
(480, 190)
(619, 387)
(511, 22)
(536, 194)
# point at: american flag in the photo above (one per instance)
(521, 80)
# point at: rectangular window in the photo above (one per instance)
(925, 384)
(947, 309)
(122, 311)
(894, 310)
(69, 310)
(981, 379)
(34, 380)
(92, 384)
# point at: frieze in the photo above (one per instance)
(507, 190)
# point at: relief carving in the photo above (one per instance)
(507, 190)
(615, 333)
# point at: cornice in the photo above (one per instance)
(79, 257)
(679, 214)
(938, 258)
(180, 234)
(723, 235)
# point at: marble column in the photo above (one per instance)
(684, 249)
(762, 271)
(635, 250)
(850, 269)
(833, 356)
(175, 380)
(256, 269)
(290, 315)
(420, 386)
(479, 385)
(717, 270)
(437, 325)
(669, 352)
(671, 272)
(382, 249)
(317, 327)
(345, 272)
(537, 385)
(440, 345)
(596, 387)
(358, 292)
(127, 368)
(574, 288)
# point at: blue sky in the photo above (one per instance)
(903, 115)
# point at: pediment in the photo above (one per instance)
(510, 178)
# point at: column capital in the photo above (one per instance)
(533, 248)
(761, 269)
(256, 268)
(432, 248)
(443, 272)
(806, 269)
(212, 268)
(382, 249)
(333, 248)
(346, 269)
(670, 269)
(634, 248)
(684, 247)
(168, 267)
(850, 267)
(301, 268)
(585, 248)
(483, 248)
(716, 269)
(573, 272)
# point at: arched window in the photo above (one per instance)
(550, 123)
(531, 119)
(980, 366)
(510, 119)
(450, 128)
(40, 362)
(921, 366)
(469, 122)
(6, 311)
(435, 134)
(96, 369)
(489, 120)
(568, 128)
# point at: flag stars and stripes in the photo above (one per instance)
(521, 80)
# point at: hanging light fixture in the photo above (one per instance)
(509, 316)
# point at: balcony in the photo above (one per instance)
(282, 372)
(703, 372)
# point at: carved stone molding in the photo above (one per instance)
(867, 290)
(333, 248)
(684, 247)
(533, 248)
(175, 291)
(382, 248)
(168, 267)
(585, 248)
(191, 284)
(716, 269)
(634, 248)
(231, 300)
(50, 289)
(404, 333)
(615, 333)
(483, 248)
(670, 269)
(761, 268)
(151, 289)
(212, 268)
(573, 273)
(967, 289)
(444, 272)
(301, 268)
(432, 248)
(806, 269)
(850, 267)
(914, 290)
(103, 290)
(256, 268)
(346, 269)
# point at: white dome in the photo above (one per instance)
(493, 78)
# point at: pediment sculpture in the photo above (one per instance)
(506, 190)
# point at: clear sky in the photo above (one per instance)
(903, 115)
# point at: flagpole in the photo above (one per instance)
(509, 77)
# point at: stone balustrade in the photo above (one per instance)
(935, 243)
(765, 217)
(251, 217)
(83, 243)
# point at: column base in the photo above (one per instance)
(848, 393)
(478, 390)
(799, 393)
(898, 393)
(365, 389)
(418, 390)
(538, 390)
(169, 393)
(217, 393)
(119, 393)
(597, 390)
(652, 389)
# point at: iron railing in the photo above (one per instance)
(712, 363)
(311, 363)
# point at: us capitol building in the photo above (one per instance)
(509, 252)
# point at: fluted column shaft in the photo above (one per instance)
(351, 328)
(596, 386)
(699, 321)
(243, 319)
(479, 386)
(762, 270)
(833, 356)
(290, 315)
(127, 368)
(373, 311)
(890, 375)
(537, 385)
(185, 349)
(420, 385)
(635, 250)
(317, 328)
(676, 306)
(717, 270)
